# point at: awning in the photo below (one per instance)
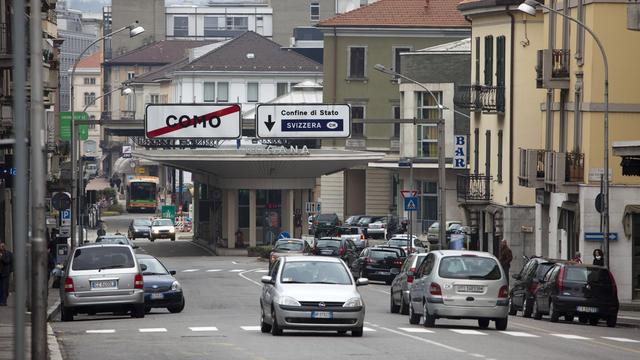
(629, 210)
(97, 184)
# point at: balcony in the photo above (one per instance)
(474, 189)
(492, 99)
(488, 99)
(532, 168)
(128, 115)
(552, 69)
(563, 172)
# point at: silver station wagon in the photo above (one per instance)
(458, 284)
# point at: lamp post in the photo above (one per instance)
(442, 208)
(529, 7)
(134, 30)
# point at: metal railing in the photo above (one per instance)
(574, 167)
(468, 97)
(474, 188)
(493, 99)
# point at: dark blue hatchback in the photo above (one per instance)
(161, 289)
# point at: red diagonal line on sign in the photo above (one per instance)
(205, 117)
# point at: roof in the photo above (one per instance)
(477, 4)
(402, 13)
(160, 73)
(92, 61)
(252, 52)
(159, 52)
(455, 47)
(306, 92)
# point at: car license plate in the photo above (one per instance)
(157, 296)
(326, 252)
(103, 284)
(471, 288)
(395, 271)
(587, 309)
(321, 315)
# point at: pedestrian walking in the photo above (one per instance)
(577, 257)
(505, 257)
(598, 257)
(6, 268)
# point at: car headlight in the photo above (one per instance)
(156, 231)
(176, 286)
(172, 230)
(288, 301)
(353, 302)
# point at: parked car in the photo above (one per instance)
(365, 221)
(115, 239)
(311, 293)
(288, 247)
(325, 225)
(571, 289)
(344, 249)
(379, 263)
(355, 234)
(102, 278)
(139, 228)
(384, 227)
(402, 240)
(161, 289)
(458, 284)
(353, 220)
(162, 229)
(527, 281)
(433, 232)
(399, 292)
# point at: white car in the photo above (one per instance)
(402, 241)
(162, 229)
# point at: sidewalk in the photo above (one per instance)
(7, 315)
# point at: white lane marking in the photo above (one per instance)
(519, 334)
(250, 328)
(477, 355)
(234, 262)
(237, 270)
(203, 328)
(262, 271)
(628, 317)
(417, 330)
(246, 278)
(571, 337)
(152, 330)
(214, 270)
(104, 331)
(621, 339)
(435, 343)
(467, 332)
(364, 328)
(190, 270)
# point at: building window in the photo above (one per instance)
(209, 92)
(488, 60)
(487, 163)
(396, 126)
(252, 92)
(243, 208)
(211, 25)
(131, 75)
(315, 11)
(282, 88)
(237, 23)
(477, 60)
(357, 62)
(180, 26)
(476, 150)
(500, 72)
(357, 120)
(223, 91)
(428, 204)
(90, 81)
(397, 59)
(89, 98)
(154, 99)
(92, 125)
(428, 109)
(499, 174)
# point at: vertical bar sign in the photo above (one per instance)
(460, 152)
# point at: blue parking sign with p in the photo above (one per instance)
(65, 214)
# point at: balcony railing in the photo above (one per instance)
(480, 98)
(574, 167)
(552, 68)
(493, 99)
(564, 171)
(474, 188)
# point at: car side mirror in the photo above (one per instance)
(172, 272)
(362, 282)
(143, 267)
(516, 276)
(267, 280)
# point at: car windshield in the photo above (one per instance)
(398, 242)
(154, 267)
(328, 243)
(352, 220)
(98, 258)
(585, 275)
(383, 254)
(542, 269)
(315, 272)
(121, 240)
(366, 220)
(142, 222)
(469, 267)
(326, 217)
(162, 222)
(289, 246)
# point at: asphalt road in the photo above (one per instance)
(220, 321)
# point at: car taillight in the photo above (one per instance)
(369, 260)
(342, 251)
(435, 290)
(68, 285)
(361, 236)
(138, 282)
(410, 277)
(504, 292)
(398, 262)
(613, 284)
(561, 279)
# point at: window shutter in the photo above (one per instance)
(488, 60)
(500, 72)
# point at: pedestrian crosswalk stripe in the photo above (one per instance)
(237, 270)
(621, 339)
(190, 270)
(262, 271)
(519, 334)
(467, 332)
(367, 329)
(416, 330)
(214, 270)
(152, 330)
(477, 355)
(104, 331)
(203, 328)
(571, 337)
(250, 328)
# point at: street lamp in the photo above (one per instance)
(529, 7)
(134, 30)
(442, 208)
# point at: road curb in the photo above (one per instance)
(53, 310)
(205, 248)
(52, 340)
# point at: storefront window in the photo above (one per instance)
(243, 209)
(268, 215)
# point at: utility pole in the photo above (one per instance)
(38, 188)
(442, 179)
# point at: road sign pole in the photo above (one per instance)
(410, 212)
(442, 200)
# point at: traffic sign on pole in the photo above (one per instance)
(297, 121)
(411, 203)
(179, 121)
(408, 193)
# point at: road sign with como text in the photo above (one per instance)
(297, 121)
(192, 121)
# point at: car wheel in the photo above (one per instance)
(612, 320)
(147, 309)
(66, 313)
(568, 318)
(357, 332)
(173, 239)
(527, 308)
(275, 328)
(388, 282)
(512, 308)
(176, 308)
(151, 239)
(137, 311)
(536, 312)
(414, 318)
(583, 319)
(501, 324)
(554, 315)
(404, 307)
(429, 321)
(594, 321)
(393, 308)
(264, 327)
(483, 323)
